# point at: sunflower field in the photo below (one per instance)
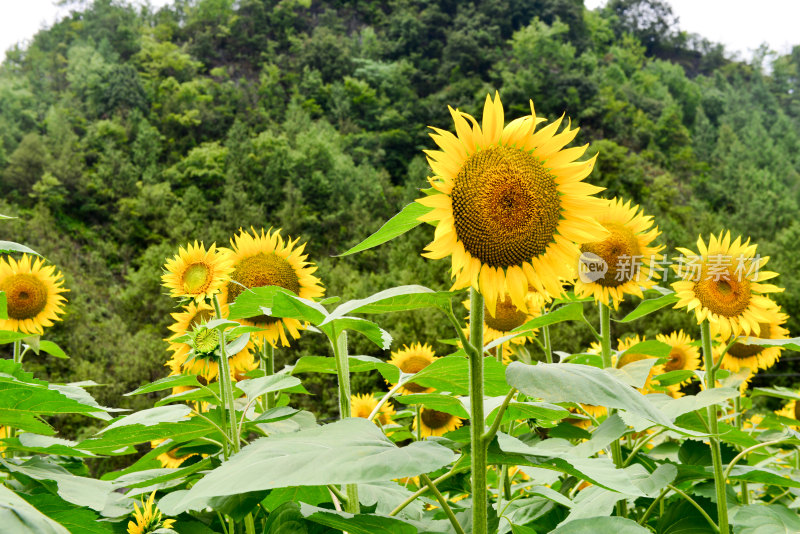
(295, 267)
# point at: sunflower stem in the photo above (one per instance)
(418, 415)
(226, 387)
(477, 419)
(716, 456)
(443, 503)
(605, 343)
(343, 374)
(737, 408)
(548, 348)
(267, 365)
(18, 351)
(249, 524)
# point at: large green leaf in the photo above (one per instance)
(777, 391)
(435, 401)
(358, 364)
(10, 246)
(567, 382)
(593, 501)
(168, 382)
(394, 227)
(402, 298)
(790, 343)
(30, 442)
(278, 302)
(356, 524)
(370, 330)
(77, 519)
(648, 306)
(764, 519)
(451, 373)
(7, 336)
(19, 517)
(349, 451)
(595, 525)
(255, 387)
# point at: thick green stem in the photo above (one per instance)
(716, 455)
(477, 419)
(343, 374)
(18, 351)
(605, 344)
(267, 365)
(226, 387)
(548, 348)
(249, 524)
(443, 503)
(418, 415)
(737, 407)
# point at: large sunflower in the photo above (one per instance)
(362, 406)
(169, 458)
(626, 255)
(756, 357)
(265, 259)
(510, 204)
(148, 519)
(724, 284)
(436, 423)
(204, 362)
(506, 317)
(412, 360)
(197, 273)
(33, 294)
(683, 356)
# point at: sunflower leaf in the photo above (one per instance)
(436, 401)
(765, 519)
(451, 373)
(777, 391)
(18, 516)
(349, 451)
(255, 387)
(648, 306)
(7, 336)
(569, 312)
(52, 349)
(592, 525)
(358, 364)
(401, 223)
(356, 524)
(10, 246)
(792, 343)
(401, 298)
(166, 383)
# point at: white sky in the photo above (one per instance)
(741, 25)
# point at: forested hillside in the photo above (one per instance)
(126, 132)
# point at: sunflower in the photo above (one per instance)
(436, 423)
(791, 410)
(148, 519)
(362, 406)
(506, 317)
(624, 359)
(756, 357)
(265, 259)
(682, 356)
(205, 362)
(509, 204)
(626, 255)
(723, 284)
(197, 273)
(412, 360)
(170, 459)
(5, 432)
(33, 294)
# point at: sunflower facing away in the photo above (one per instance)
(755, 356)
(509, 204)
(33, 294)
(412, 360)
(435, 423)
(205, 362)
(169, 458)
(362, 406)
(626, 255)
(683, 356)
(266, 259)
(195, 272)
(148, 519)
(724, 284)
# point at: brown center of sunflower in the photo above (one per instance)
(263, 269)
(506, 206)
(676, 361)
(196, 278)
(507, 316)
(740, 351)
(723, 293)
(26, 296)
(621, 253)
(411, 365)
(434, 419)
(200, 317)
(797, 410)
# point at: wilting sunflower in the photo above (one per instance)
(412, 360)
(507, 316)
(625, 255)
(148, 519)
(723, 284)
(756, 356)
(791, 410)
(170, 459)
(197, 273)
(33, 294)
(265, 259)
(436, 423)
(683, 356)
(362, 406)
(510, 204)
(204, 363)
